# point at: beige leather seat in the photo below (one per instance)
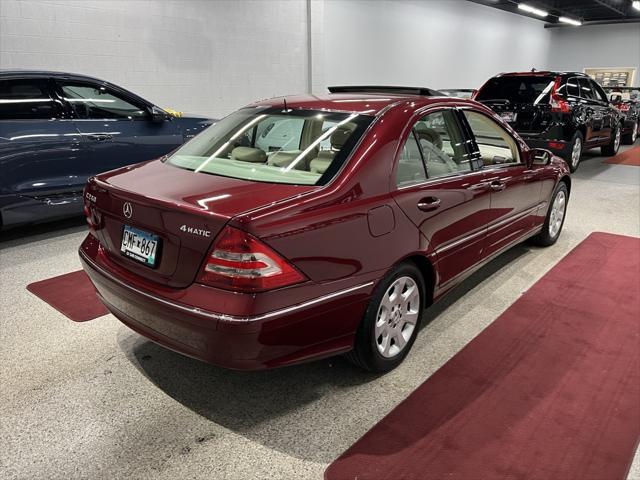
(338, 138)
(283, 159)
(438, 162)
(248, 154)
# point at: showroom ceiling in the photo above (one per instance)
(588, 12)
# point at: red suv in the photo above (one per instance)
(305, 227)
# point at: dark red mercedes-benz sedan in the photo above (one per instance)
(309, 226)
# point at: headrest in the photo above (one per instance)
(340, 136)
(248, 154)
(430, 135)
(283, 159)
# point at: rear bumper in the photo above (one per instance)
(317, 327)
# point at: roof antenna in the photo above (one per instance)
(285, 104)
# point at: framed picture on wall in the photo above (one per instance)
(612, 76)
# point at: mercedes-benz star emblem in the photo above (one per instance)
(127, 209)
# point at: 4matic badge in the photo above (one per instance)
(195, 231)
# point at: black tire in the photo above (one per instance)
(630, 138)
(610, 149)
(569, 158)
(365, 353)
(547, 237)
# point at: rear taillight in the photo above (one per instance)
(241, 262)
(557, 103)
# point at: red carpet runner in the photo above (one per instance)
(550, 390)
(72, 295)
(628, 157)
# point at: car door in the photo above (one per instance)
(608, 112)
(118, 129)
(515, 188)
(594, 113)
(39, 148)
(439, 190)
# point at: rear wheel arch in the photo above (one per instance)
(428, 274)
(567, 181)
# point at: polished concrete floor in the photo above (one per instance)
(95, 400)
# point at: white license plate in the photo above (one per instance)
(139, 245)
(509, 116)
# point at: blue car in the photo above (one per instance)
(58, 129)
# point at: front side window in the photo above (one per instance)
(26, 100)
(303, 147)
(96, 102)
(494, 143)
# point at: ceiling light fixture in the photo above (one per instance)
(530, 9)
(570, 21)
(636, 4)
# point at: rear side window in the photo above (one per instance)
(518, 89)
(96, 102)
(494, 143)
(441, 144)
(586, 89)
(410, 166)
(26, 100)
(571, 88)
(435, 143)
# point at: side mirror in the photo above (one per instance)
(158, 115)
(540, 156)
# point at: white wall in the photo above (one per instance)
(596, 46)
(210, 57)
(206, 57)
(435, 43)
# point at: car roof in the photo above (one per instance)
(363, 103)
(17, 73)
(541, 73)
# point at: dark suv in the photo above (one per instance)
(565, 112)
(626, 99)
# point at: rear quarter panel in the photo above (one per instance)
(328, 233)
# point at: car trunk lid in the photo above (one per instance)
(185, 210)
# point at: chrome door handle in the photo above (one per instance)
(428, 204)
(498, 186)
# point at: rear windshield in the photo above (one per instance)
(300, 147)
(518, 89)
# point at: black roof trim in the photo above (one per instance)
(393, 90)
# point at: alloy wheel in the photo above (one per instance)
(397, 317)
(576, 152)
(616, 142)
(557, 213)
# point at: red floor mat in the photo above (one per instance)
(72, 295)
(628, 157)
(550, 390)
